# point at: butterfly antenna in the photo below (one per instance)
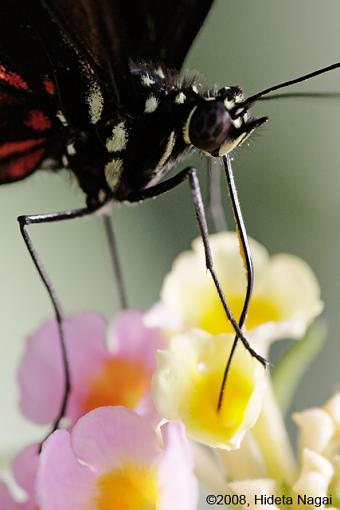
(303, 95)
(288, 83)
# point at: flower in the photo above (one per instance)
(286, 295)
(264, 466)
(24, 469)
(100, 375)
(319, 442)
(187, 384)
(112, 460)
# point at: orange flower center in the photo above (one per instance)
(119, 382)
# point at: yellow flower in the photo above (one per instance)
(286, 296)
(188, 380)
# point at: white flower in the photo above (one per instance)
(316, 475)
(261, 464)
(320, 436)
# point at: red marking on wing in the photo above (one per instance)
(38, 121)
(10, 148)
(21, 166)
(49, 86)
(13, 79)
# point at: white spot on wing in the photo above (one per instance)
(147, 81)
(95, 101)
(195, 89)
(151, 104)
(113, 171)
(180, 98)
(61, 117)
(118, 139)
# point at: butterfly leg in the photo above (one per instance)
(191, 175)
(24, 222)
(215, 207)
(247, 261)
(202, 222)
(115, 260)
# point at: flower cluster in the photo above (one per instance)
(313, 481)
(145, 383)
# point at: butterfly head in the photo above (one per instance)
(219, 123)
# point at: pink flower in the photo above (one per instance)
(112, 460)
(100, 375)
(24, 470)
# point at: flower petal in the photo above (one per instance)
(315, 477)
(178, 484)
(62, 482)
(105, 437)
(316, 429)
(41, 376)
(6, 500)
(245, 463)
(295, 290)
(270, 429)
(209, 471)
(24, 468)
(131, 338)
(332, 407)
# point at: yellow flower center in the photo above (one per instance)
(120, 382)
(261, 310)
(199, 410)
(129, 487)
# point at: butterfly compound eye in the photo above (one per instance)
(209, 126)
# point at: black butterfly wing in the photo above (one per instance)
(163, 30)
(27, 97)
(98, 32)
(61, 58)
(110, 33)
(45, 82)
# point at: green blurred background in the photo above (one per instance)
(288, 179)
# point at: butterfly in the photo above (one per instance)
(94, 87)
